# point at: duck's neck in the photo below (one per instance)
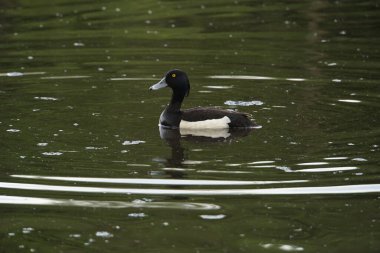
(175, 102)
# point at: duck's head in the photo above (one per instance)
(175, 79)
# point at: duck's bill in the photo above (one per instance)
(161, 84)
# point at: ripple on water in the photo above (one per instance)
(359, 159)
(126, 143)
(46, 98)
(193, 162)
(133, 79)
(262, 166)
(328, 169)
(283, 247)
(13, 130)
(261, 162)
(248, 77)
(16, 74)
(95, 148)
(219, 86)
(336, 158)
(149, 181)
(320, 190)
(64, 77)
(312, 163)
(18, 200)
(224, 171)
(353, 101)
(243, 103)
(52, 153)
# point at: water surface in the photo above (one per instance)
(85, 168)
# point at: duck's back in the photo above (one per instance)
(218, 116)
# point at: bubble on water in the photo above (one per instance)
(95, 148)
(104, 234)
(13, 74)
(78, 44)
(212, 217)
(27, 230)
(137, 215)
(286, 247)
(42, 144)
(336, 80)
(52, 153)
(12, 130)
(30, 57)
(75, 235)
(283, 247)
(138, 201)
(46, 98)
(125, 143)
(243, 103)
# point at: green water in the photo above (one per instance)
(84, 168)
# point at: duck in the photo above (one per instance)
(199, 117)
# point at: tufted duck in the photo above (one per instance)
(201, 117)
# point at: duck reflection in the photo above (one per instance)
(174, 137)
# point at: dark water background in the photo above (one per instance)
(83, 167)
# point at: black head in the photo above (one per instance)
(175, 79)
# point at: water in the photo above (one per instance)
(84, 166)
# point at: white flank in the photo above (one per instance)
(210, 133)
(206, 124)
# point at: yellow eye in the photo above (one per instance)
(174, 75)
